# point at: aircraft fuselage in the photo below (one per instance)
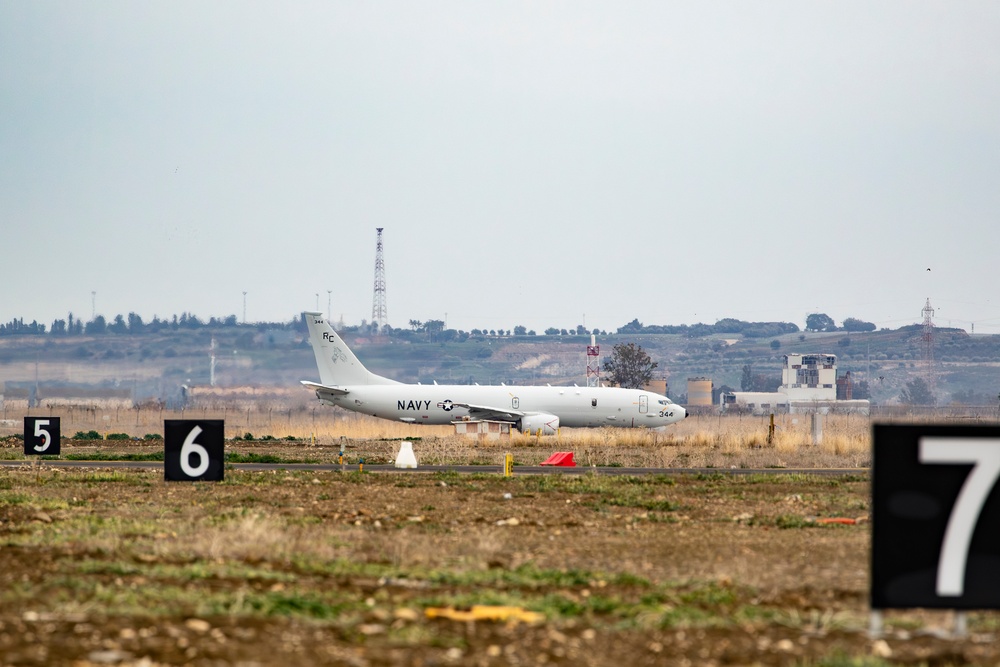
(345, 382)
(575, 406)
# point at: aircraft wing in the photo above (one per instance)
(491, 413)
(325, 388)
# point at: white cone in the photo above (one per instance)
(405, 458)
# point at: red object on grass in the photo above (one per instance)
(560, 459)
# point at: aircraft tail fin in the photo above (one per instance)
(337, 364)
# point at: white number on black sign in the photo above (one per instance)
(191, 447)
(984, 454)
(194, 450)
(43, 434)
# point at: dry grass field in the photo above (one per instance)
(115, 566)
(699, 441)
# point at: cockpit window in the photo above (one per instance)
(664, 402)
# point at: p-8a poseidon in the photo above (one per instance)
(346, 383)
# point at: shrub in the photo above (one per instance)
(87, 435)
(152, 436)
(119, 436)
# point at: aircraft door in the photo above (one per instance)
(643, 403)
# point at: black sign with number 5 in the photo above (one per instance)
(935, 517)
(41, 436)
(194, 450)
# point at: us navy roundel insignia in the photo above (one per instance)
(446, 406)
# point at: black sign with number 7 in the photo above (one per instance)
(935, 517)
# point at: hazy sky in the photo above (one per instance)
(532, 163)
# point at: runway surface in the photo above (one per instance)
(463, 469)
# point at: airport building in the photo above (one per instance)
(809, 383)
(700, 392)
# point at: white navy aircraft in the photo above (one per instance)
(345, 382)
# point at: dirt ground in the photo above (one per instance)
(109, 566)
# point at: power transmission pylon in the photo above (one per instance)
(378, 303)
(927, 340)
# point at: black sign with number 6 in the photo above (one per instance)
(41, 436)
(935, 517)
(194, 450)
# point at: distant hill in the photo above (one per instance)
(156, 364)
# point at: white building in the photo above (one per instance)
(808, 384)
(809, 377)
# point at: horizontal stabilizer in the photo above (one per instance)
(326, 389)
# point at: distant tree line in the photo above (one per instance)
(823, 322)
(133, 324)
(17, 327)
(435, 330)
(724, 326)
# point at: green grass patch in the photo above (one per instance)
(307, 605)
(236, 457)
(528, 576)
(649, 504)
(114, 456)
(592, 483)
(841, 659)
(709, 477)
(787, 521)
(354, 477)
(197, 598)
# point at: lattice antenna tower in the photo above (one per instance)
(593, 363)
(927, 340)
(378, 303)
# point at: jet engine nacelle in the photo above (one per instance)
(549, 424)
